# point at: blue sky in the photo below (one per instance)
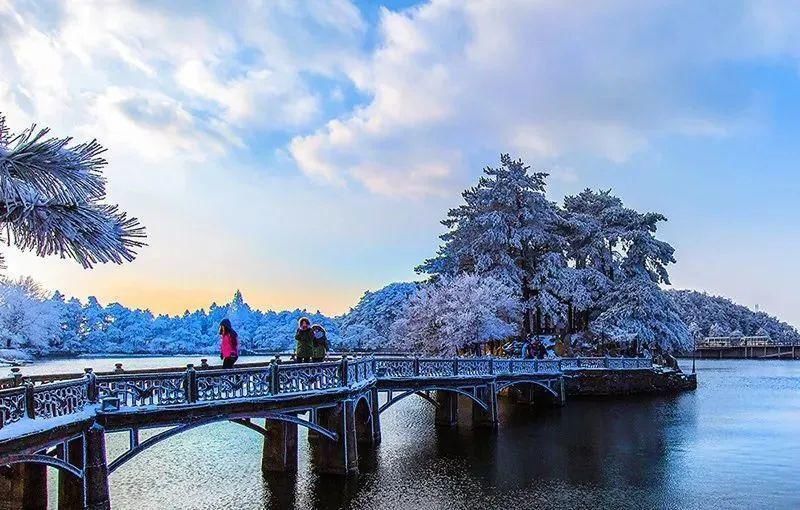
(304, 151)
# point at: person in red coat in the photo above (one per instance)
(229, 344)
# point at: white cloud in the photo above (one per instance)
(543, 79)
(221, 70)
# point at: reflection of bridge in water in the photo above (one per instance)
(62, 421)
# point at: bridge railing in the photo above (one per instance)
(45, 401)
(394, 367)
(159, 387)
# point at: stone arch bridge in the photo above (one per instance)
(62, 421)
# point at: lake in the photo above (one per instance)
(732, 443)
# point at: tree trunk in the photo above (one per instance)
(526, 320)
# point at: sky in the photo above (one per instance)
(305, 151)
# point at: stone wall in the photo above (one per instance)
(627, 382)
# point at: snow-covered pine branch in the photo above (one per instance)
(52, 200)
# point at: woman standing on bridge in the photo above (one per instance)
(229, 344)
(305, 341)
(320, 343)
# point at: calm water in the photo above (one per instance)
(734, 443)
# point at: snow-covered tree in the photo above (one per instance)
(506, 229)
(639, 310)
(27, 319)
(455, 312)
(366, 326)
(609, 243)
(52, 200)
(717, 330)
(70, 316)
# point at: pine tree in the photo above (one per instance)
(639, 310)
(52, 196)
(506, 229)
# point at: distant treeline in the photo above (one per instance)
(41, 324)
(708, 315)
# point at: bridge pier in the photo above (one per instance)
(23, 487)
(524, 394)
(95, 471)
(280, 446)
(374, 407)
(313, 435)
(447, 409)
(485, 418)
(340, 456)
(70, 488)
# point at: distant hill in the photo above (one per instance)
(719, 316)
(366, 325)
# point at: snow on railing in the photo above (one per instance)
(394, 367)
(45, 401)
(175, 386)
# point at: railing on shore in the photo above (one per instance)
(60, 395)
(714, 342)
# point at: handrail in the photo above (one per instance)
(191, 385)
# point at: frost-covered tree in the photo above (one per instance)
(70, 315)
(455, 312)
(717, 330)
(506, 229)
(52, 200)
(615, 251)
(27, 319)
(610, 243)
(639, 310)
(366, 326)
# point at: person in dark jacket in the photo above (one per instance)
(320, 343)
(229, 344)
(304, 337)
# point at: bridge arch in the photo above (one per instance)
(152, 441)
(538, 383)
(47, 460)
(420, 393)
(364, 424)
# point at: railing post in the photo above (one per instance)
(343, 368)
(455, 366)
(191, 384)
(274, 384)
(30, 404)
(491, 365)
(15, 373)
(91, 386)
(535, 366)
(416, 366)
(511, 365)
(605, 361)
